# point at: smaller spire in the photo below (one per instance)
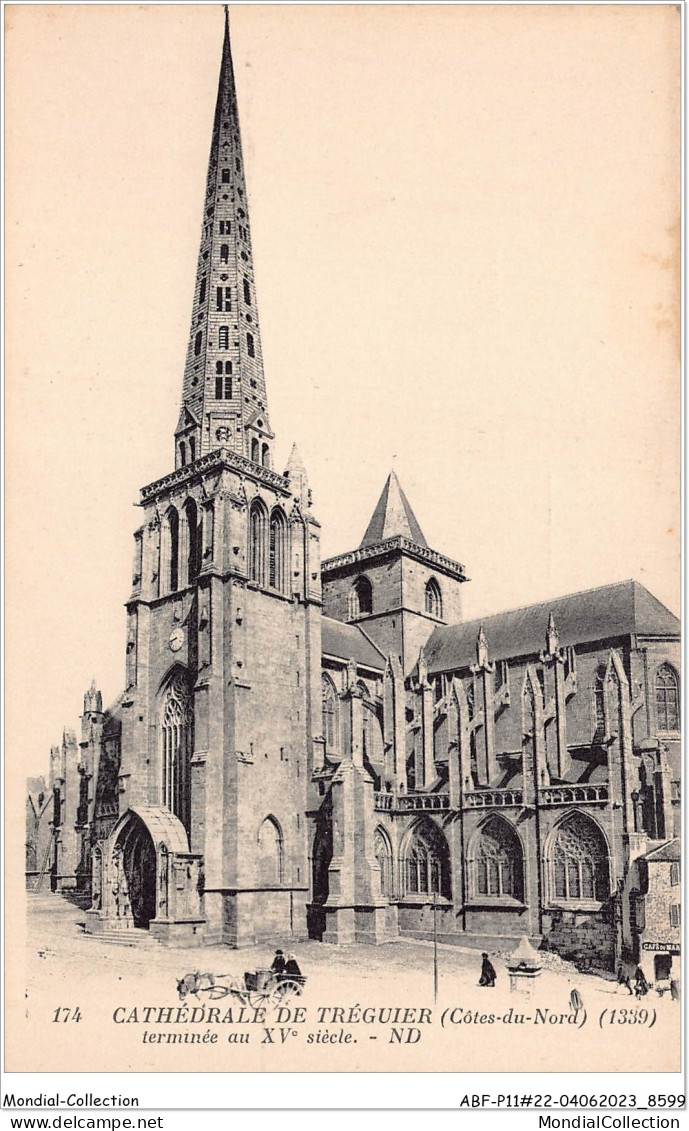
(393, 516)
(295, 463)
(483, 663)
(93, 700)
(295, 473)
(552, 636)
(481, 648)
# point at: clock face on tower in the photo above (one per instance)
(176, 639)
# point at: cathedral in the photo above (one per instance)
(327, 749)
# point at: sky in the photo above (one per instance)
(465, 226)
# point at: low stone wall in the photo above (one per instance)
(585, 938)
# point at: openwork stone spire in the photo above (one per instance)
(224, 401)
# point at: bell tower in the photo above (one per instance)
(223, 628)
(393, 586)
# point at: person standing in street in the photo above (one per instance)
(488, 974)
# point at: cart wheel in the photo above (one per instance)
(256, 998)
(285, 990)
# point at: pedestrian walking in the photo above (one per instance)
(641, 986)
(488, 974)
(624, 977)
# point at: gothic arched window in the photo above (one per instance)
(193, 540)
(383, 854)
(667, 698)
(255, 449)
(434, 600)
(176, 729)
(265, 455)
(498, 867)
(331, 715)
(427, 862)
(258, 523)
(579, 861)
(360, 598)
(277, 565)
(269, 852)
(169, 552)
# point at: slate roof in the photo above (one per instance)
(392, 516)
(621, 609)
(666, 853)
(349, 642)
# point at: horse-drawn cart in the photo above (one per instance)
(259, 987)
(263, 986)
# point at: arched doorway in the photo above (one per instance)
(145, 876)
(134, 873)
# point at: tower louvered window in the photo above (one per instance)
(277, 571)
(360, 598)
(433, 599)
(224, 338)
(257, 543)
(169, 552)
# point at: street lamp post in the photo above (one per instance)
(435, 948)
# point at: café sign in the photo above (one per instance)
(668, 947)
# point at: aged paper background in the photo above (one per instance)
(465, 223)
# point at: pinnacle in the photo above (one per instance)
(295, 462)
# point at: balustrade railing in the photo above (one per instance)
(410, 802)
(489, 798)
(492, 798)
(569, 794)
